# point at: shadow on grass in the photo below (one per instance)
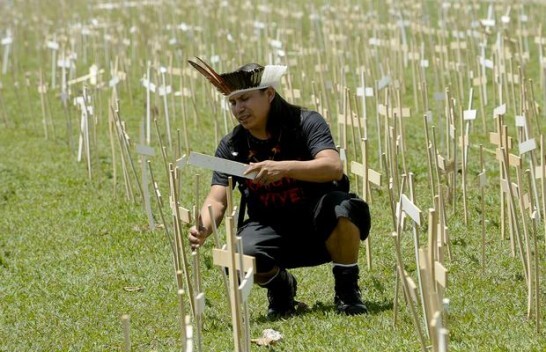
(325, 309)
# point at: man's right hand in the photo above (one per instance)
(197, 236)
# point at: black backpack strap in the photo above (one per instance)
(242, 211)
(242, 205)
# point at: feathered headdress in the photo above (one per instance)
(246, 78)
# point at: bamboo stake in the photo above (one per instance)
(534, 276)
(216, 237)
(483, 183)
(512, 209)
(199, 299)
(126, 324)
(180, 243)
(183, 316)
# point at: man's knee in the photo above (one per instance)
(345, 229)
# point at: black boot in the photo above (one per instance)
(280, 294)
(348, 299)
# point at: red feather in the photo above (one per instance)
(211, 75)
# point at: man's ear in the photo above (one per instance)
(270, 91)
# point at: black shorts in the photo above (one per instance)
(302, 242)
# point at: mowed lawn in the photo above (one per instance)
(76, 250)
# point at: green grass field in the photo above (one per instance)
(76, 251)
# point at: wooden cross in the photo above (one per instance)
(514, 193)
(434, 276)
(527, 249)
(469, 115)
(364, 92)
(241, 268)
(410, 289)
(406, 207)
(84, 144)
(501, 141)
(146, 152)
(92, 77)
(362, 170)
(368, 175)
(527, 147)
(180, 216)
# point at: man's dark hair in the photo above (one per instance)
(283, 116)
(283, 122)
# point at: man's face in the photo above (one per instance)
(251, 109)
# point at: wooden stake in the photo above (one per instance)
(126, 324)
(483, 183)
(199, 299)
(183, 316)
(150, 87)
(217, 245)
(164, 91)
(512, 208)
(180, 243)
(368, 175)
(406, 287)
(168, 236)
(42, 89)
(3, 108)
(146, 152)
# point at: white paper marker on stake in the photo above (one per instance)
(521, 121)
(499, 110)
(469, 115)
(364, 92)
(54, 47)
(64, 63)
(410, 209)
(486, 63)
(383, 82)
(165, 90)
(489, 21)
(84, 144)
(506, 17)
(527, 146)
(149, 87)
(6, 43)
(428, 116)
(219, 164)
(483, 179)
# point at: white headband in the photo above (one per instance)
(271, 77)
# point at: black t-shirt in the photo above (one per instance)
(286, 199)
